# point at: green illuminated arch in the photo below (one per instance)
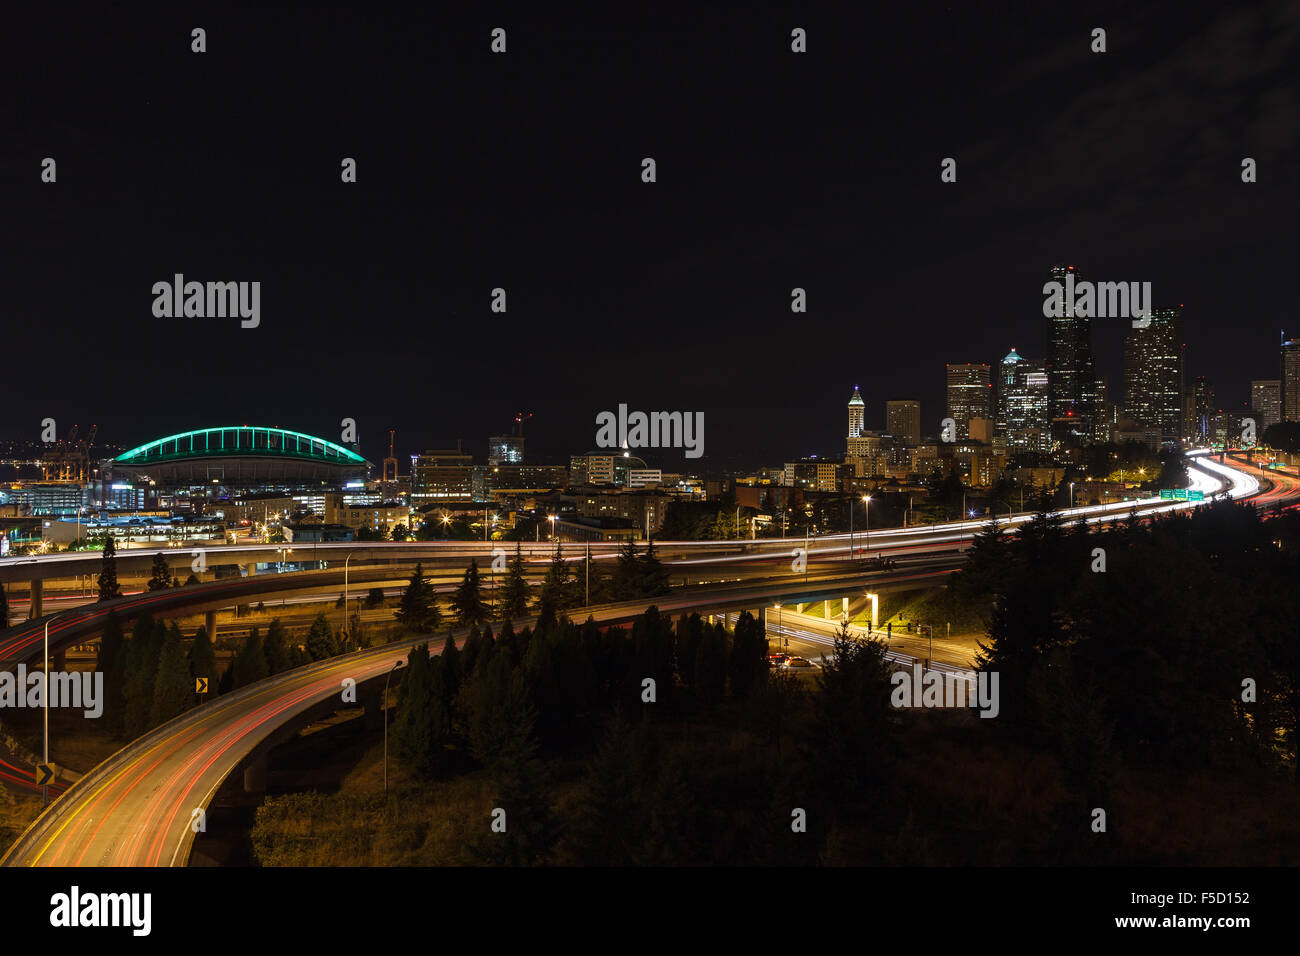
(251, 440)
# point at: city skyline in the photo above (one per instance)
(594, 262)
(656, 439)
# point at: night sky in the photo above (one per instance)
(522, 171)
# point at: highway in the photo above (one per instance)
(135, 808)
(456, 554)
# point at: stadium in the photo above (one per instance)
(241, 456)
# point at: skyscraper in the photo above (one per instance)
(1290, 379)
(1266, 400)
(857, 413)
(1202, 407)
(1071, 373)
(903, 421)
(1022, 405)
(969, 391)
(1153, 373)
(505, 449)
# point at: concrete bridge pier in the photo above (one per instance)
(250, 569)
(210, 625)
(37, 608)
(373, 706)
(255, 773)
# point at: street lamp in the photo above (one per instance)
(396, 665)
(866, 510)
(345, 597)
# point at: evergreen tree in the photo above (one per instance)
(173, 692)
(451, 657)
(275, 648)
(142, 654)
(987, 563)
(467, 600)
(422, 725)
(417, 609)
(470, 651)
(653, 575)
(689, 633)
(851, 718)
(557, 590)
(322, 642)
(112, 664)
(203, 660)
(626, 582)
(249, 665)
(747, 666)
(711, 664)
(413, 717)
(611, 826)
(652, 655)
(521, 790)
(161, 576)
(515, 590)
(108, 589)
(492, 702)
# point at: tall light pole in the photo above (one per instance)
(850, 527)
(396, 665)
(806, 539)
(345, 596)
(866, 510)
(552, 519)
(45, 694)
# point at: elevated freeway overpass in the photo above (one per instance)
(1209, 477)
(135, 808)
(691, 560)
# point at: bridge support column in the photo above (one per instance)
(37, 602)
(798, 608)
(844, 608)
(373, 705)
(210, 625)
(255, 774)
(826, 609)
(250, 568)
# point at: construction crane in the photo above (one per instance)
(520, 418)
(69, 459)
(392, 457)
(83, 472)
